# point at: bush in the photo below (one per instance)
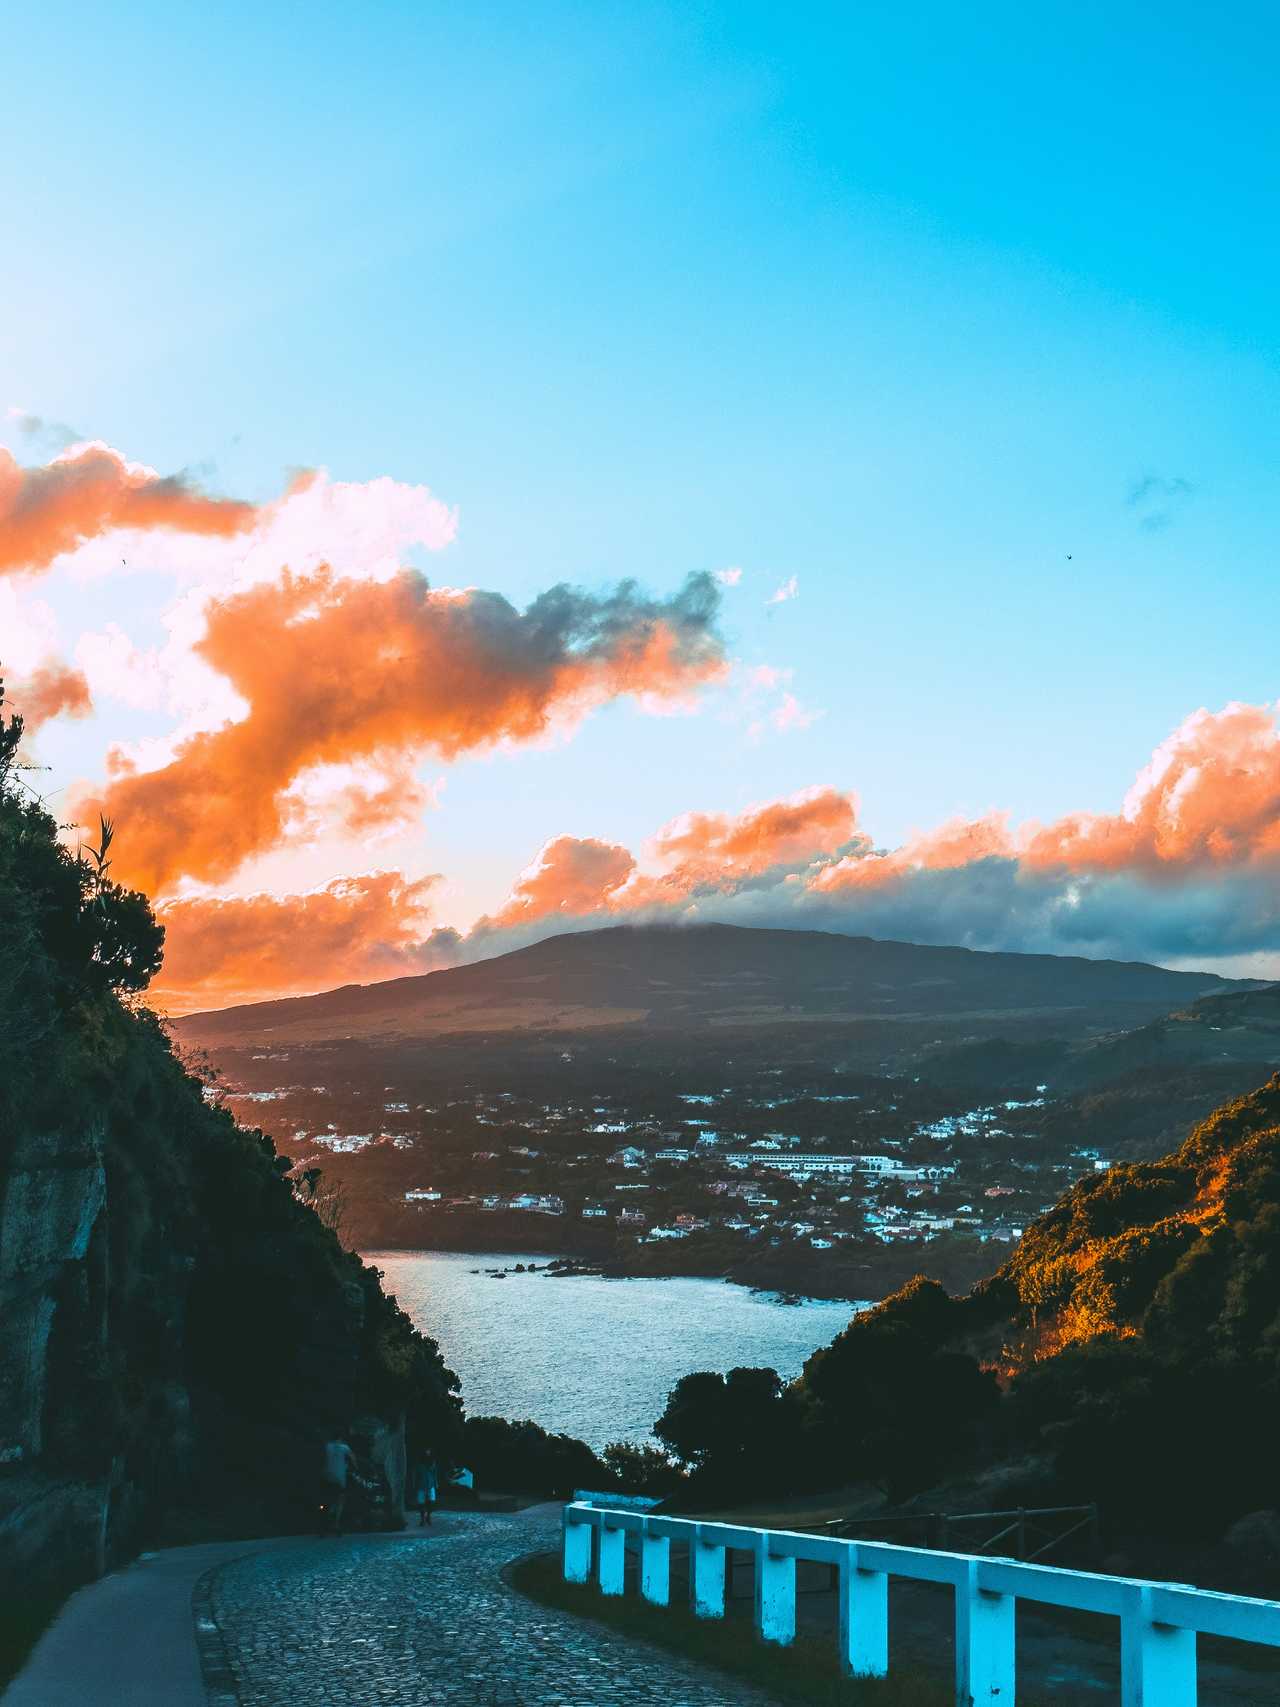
(522, 1458)
(642, 1469)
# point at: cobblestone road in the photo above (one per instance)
(425, 1619)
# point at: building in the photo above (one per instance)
(547, 1205)
(800, 1161)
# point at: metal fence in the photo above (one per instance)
(1158, 1621)
(1027, 1532)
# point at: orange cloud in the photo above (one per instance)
(703, 852)
(90, 489)
(1209, 798)
(340, 671)
(569, 876)
(714, 847)
(54, 690)
(959, 842)
(254, 947)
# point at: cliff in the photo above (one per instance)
(178, 1332)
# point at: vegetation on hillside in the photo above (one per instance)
(1128, 1352)
(214, 1331)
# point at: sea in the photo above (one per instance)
(587, 1356)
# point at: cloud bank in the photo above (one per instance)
(1188, 870)
(355, 930)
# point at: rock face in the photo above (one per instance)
(179, 1334)
(53, 1197)
(53, 1295)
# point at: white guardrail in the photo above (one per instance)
(1159, 1622)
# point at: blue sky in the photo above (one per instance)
(905, 303)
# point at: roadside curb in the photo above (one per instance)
(215, 1664)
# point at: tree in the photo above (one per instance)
(98, 934)
(901, 1404)
(739, 1432)
(642, 1469)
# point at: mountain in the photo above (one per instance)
(709, 977)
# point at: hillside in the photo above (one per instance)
(1127, 1352)
(711, 977)
(179, 1330)
(1240, 1025)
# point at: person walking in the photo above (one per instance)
(426, 1487)
(339, 1462)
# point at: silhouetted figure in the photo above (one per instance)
(339, 1462)
(426, 1488)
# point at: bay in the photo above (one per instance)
(587, 1356)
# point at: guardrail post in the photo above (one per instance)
(1159, 1621)
(985, 1648)
(655, 1568)
(775, 1594)
(613, 1559)
(864, 1618)
(577, 1551)
(1157, 1661)
(706, 1578)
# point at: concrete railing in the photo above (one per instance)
(1159, 1622)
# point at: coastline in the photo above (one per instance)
(859, 1276)
(500, 1264)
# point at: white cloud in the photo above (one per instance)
(28, 630)
(361, 529)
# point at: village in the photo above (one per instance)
(776, 1186)
(801, 1165)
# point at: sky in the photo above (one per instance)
(891, 394)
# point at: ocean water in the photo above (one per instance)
(591, 1357)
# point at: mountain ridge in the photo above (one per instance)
(708, 975)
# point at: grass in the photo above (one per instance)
(807, 1673)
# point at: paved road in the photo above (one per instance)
(424, 1619)
(128, 1640)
